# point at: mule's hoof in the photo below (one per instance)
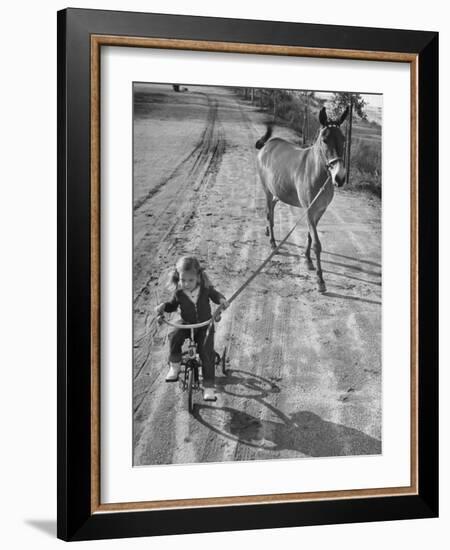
(267, 232)
(321, 287)
(273, 245)
(309, 264)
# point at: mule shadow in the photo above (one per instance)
(352, 277)
(355, 298)
(369, 262)
(354, 267)
(350, 267)
(301, 257)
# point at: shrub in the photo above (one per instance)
(365, 167)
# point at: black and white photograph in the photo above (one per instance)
(257, 273)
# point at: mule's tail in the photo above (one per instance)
(262, 141)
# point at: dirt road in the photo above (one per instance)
(304, 368)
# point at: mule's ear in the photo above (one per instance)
(343, 116)
(323, 119)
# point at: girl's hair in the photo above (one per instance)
(187, 263)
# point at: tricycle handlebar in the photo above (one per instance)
(183, 326)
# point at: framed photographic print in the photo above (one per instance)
(247, 252)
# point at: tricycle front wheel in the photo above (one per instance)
(190, 384)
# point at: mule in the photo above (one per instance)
(295, 175)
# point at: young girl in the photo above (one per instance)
(193, 291)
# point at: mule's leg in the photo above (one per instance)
(270, 207)
(317, 247)
(268, 201)
(308, 260)
(273, 243)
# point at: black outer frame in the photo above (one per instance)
(75, 521)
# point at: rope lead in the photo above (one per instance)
(275, 250)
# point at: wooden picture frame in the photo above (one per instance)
(81, 35)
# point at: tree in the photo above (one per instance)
(355, 102)
(308, 98)
(341, 100)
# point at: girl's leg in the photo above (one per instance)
(176, 339)
(207, 356)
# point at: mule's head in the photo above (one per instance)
(331, 144)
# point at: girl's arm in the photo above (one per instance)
(170, 306)
(217, 297)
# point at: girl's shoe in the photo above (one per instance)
(174, 371)
(209, 394)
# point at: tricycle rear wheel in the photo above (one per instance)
(224, 361)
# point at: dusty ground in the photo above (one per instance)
(304, 368)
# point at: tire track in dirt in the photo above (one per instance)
(171, 214)
(202, 175)
(191, 158)
(152, 426)
(203, 165)
(181, 224)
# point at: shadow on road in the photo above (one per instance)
(347, 297)
(345, 276)
(300, 258)
(369, 262)
(303, 431)
(241, 383)
(349, 267)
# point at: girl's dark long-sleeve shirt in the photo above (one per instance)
(194, 313)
